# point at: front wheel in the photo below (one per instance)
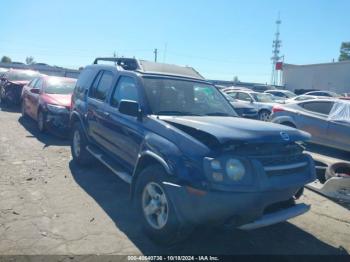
(23, 109)
(155, 208)
(264, 115)
(41, 121)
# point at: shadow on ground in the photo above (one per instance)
(10, 109)
(329, 152)
(112, 195)
(48, 138)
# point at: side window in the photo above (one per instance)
(244, 97)
(321, 107)
(232, 94)
(125, 89)
(33, 82)
(38, 84)
(101, 85)
(84, 82)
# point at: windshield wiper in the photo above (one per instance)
(176, 113)
(218, 114)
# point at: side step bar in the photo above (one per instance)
(110, 164)
(277, 217)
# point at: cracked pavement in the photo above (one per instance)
(48, 205)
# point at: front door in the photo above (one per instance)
(125, 133)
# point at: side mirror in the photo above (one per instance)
(251, 101)
(130, 108)
(35, 90)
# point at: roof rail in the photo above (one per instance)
(125, 63)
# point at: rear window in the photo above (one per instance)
(320, 107)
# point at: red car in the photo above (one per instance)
(12, 83)
(47, 100)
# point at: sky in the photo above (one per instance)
(221, 39)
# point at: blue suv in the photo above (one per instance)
(187, 156)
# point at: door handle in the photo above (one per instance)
(106, 114)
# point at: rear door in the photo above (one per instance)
(96, 111)
(313, 118)
(339, 127)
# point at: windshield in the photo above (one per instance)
(181, 97)
(22, 75)
(60, 86)
(264, 98)
(289, 94)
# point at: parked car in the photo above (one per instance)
(242, 109)
(12, 83)
(3, 71)
(300, 98)
(327, 120)
(263, 103)
(323, 93)
(174, 138)
(285, 94)
(47, 100)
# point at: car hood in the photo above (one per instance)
(234, 129)
(61, 100)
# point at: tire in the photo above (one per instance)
(299, 193)
(41, 121)
(79, 143)
(264, 115)
(159, 219)
(340, 169)
(3, 101)
(23, 110)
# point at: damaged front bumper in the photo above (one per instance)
(58, 121)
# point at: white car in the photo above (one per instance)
(262, 102)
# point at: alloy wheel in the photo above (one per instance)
(155, 205)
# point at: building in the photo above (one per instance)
(44, 69)
(328, 76)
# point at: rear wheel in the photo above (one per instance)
(264, 115)
(155, 208)
(78, 146)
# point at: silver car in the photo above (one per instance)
(262, 102)
(327, 120)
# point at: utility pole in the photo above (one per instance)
(115, 56)
(155, 54)
(276, 45)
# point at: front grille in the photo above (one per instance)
(284, 165)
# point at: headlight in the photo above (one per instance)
(235, 169)
(56, 109)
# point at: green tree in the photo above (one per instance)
(6, 59)
(344, 51)
(30, 60)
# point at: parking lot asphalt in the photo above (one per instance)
(48, 205)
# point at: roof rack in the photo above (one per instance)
(125, 63)
(148, 67)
